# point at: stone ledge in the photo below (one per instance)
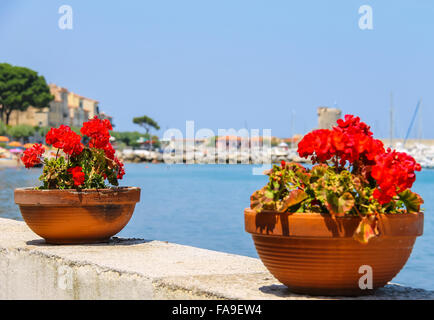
(139, 269)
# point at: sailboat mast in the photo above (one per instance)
(391, 119)
(412, 120)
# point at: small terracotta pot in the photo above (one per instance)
(73, 217)
(315, 254)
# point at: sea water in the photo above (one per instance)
(202, 206)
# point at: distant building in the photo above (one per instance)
(327, 117)
(67, 108)
(59, 111)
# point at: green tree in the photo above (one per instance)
(147, 123)
(21, 131)
(129, 138)
(20, 88)
(42, 130)
(3, 128)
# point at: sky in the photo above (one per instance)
(233, 63)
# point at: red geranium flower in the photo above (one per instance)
(109, 151)
(318, 144)
(66, 139)
(394, 173)
(77, 175)
(98, 132)
(351, 140)
(32, 156)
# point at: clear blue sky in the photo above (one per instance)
(226, 63)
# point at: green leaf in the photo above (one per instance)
(366, 230)
(411, 200)
(332, 203)
(269, 194)
(293, 198)
(276, 185)
(345, 203)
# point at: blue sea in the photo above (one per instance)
(202, 206)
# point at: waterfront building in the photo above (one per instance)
(67, 108)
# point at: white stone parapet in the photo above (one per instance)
(139, 269)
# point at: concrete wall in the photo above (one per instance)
(138, 269)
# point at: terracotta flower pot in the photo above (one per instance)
(72, 217)
(315, 254)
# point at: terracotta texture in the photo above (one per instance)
(71, 216)
(315, 254)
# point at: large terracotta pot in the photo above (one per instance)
(72, 217)
(315, 254)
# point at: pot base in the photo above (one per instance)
(77, 217)
(76, 241)
(331, 267)
(316, 254)
(332, 292)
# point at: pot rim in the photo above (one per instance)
(122, 188)
(73, 197)
(325, 214)
(323, 225)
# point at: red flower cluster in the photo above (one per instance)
(77, 175)
(32, 156)
(98, 132)
(394, 173)
(351, 140)
(98, 154)
(66, 139)
(353, 125)
(318, 144)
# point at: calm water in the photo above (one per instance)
(202, 206)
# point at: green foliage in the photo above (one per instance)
(412, 201)
(76, 129)
(3, 128)
(156, 142)
(21, 131)
(326, 189)
(130, 138)
(147, 123)
(329, 189)
(20, 88)
(367, 229)
(55, 175)
(42, 130)
(94, 164)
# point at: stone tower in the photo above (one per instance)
(327, 117)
